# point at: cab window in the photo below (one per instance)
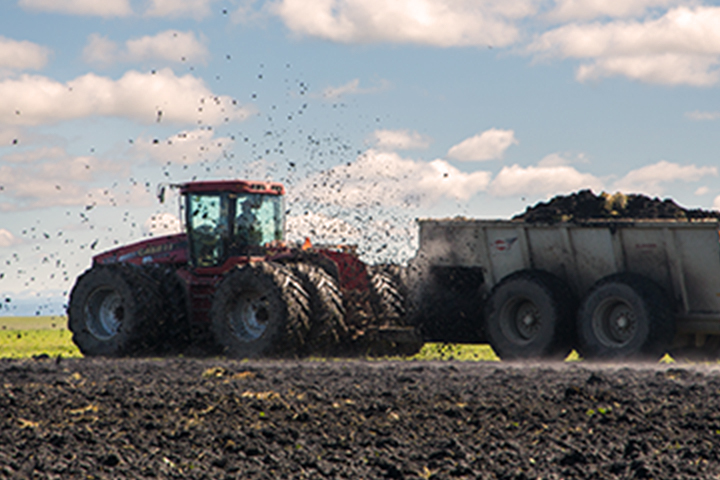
(259, 219)
(207, 228)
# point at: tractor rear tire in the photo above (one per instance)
(259, 310)
(625, 316)
(114, 311)
(327, 324)
(388, 294)
(530, 315)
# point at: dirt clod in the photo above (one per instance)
(169, 418)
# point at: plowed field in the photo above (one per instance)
(192, 418)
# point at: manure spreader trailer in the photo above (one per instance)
(609, 289)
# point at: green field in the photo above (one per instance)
(22, 337)
(54, 322)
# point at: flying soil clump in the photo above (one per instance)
(585, 205)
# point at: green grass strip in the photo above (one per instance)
(54, 322)
(29, 343)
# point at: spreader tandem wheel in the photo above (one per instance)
(530, 315)
(261, 309)
(625, 316)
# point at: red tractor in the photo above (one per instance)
(230, 285)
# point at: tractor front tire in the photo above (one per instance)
(261, 310)
(114, 311)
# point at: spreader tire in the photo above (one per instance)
(530, 315)
(625, 316)
(261, 310)
(114, 312)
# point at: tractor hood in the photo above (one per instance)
(168, 249)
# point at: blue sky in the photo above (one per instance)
(372, 113)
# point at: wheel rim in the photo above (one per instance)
(615, 322)
(249, 319)
(104, 313)
(520, 320)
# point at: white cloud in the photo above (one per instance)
(320, 228)
(353, 88)
(10, 136)
(7, 239)
(51, 177)
(387, 239)
(649, 179)
(553, 160)
(247, 13)
(100, 49)
(667, 69)
(557, 160)
(22, 55)
(183, 148)
(566, 10)
(104, 8)
(398, 140)
(680, 47)
(197, 9)
(541, 180)
(702, 191)
(385, 178)
(170, 46)
(488, 145)
(443, 23)
(702, 116)
(162, 224)
(716, 203)
(145, 97)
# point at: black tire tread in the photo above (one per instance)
(327, 325)
(145, 312)
(176, 334)
(659, 311)
(562, 301)
(388, 294)
(288, 297)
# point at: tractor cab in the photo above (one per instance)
(232, 218)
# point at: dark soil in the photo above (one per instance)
(191, 418)
(585, 205)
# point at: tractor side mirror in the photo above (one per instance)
(161, 193)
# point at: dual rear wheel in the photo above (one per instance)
(261, 309)
(269, 309)
(297, 308)
(533, 314)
